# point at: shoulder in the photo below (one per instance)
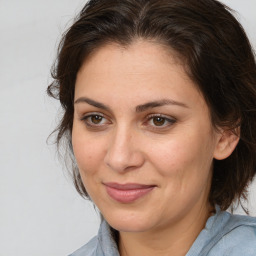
(101, 245)
(88, 249)
(236, 237)
(226, 234)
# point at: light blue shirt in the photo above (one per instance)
(224, 235)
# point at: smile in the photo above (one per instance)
(127, 193)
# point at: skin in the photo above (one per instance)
(123, 144)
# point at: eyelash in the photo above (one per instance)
(167, 121)
(90, 124)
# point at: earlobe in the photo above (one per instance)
(226, 143)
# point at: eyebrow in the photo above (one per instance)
(159, 103)
(92, 103)
(139, 108)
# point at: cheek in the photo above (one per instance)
(88, 152)
(183, 158)
(172, 156)
(185, 170)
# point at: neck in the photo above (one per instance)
(174, 239)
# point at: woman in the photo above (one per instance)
(159, 100)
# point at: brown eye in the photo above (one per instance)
(159, 121)
(95, 119)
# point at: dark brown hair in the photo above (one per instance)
(214, 50)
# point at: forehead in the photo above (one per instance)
(140, 55)
(139, 71)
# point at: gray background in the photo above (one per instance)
(40, 212)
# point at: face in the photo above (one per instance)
(142, 137)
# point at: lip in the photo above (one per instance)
(129, 192)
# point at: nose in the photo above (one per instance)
(124, 152)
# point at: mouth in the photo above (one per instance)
(127, 193)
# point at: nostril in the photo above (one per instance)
(124, 161)
(123, 153)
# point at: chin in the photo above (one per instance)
(129, 222)
(129, 227)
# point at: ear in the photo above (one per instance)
(226, 143)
